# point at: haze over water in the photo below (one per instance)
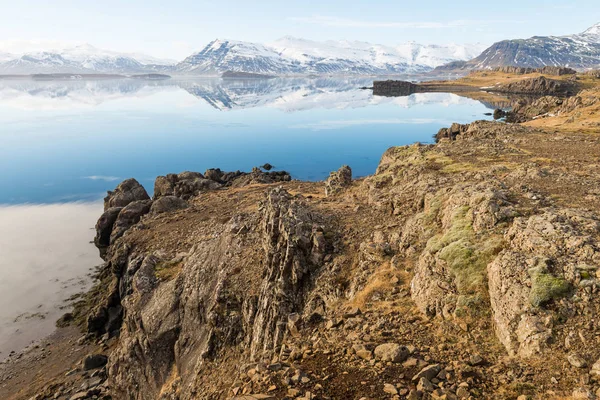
(64, 143)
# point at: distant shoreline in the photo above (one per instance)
(76, 77)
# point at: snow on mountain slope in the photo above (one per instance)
(411, 54)
(79, 59)
(228, 55)
(576, 51)
(289, 55)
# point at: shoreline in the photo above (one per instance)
(432, 160)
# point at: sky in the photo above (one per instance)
(176, 28)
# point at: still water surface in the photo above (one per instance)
(64, 143)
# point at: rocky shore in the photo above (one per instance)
(468, 269)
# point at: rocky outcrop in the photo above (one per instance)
(540, 86)
(394, 88)
(546, 70)
(126, 192)
(187, 322)
(168, 204)
(338, 180)
(188, 184)
(129, 216)
(451, 267)
(547, 258)
(104, 226)
(476, 130)
(452, 132)
(595, 73)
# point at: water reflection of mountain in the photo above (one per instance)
(290, 95)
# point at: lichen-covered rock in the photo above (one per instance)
(391, 352)
(338, 180)
(168, 204)
(453, 263)
(540, 265)
(129, 216)
(223, 300)
(104, 226)
(126, 192)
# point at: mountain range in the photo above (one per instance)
(579, 51)
(291, 56)
(287, 56)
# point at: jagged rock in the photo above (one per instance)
(168, 204)
(498, 113)
(338, 180)
(198, 314)
(390, 389)
(391, 352)
(424, 385)
(394, 88)
(362, 352)
(214, 174)
(94, 361)
(429, 372)
(576, 360)
(126, 192)
(104, 226)
(540, 86)
(352, 312)
(476, 359)
(532, 272)
(129, 216)
(548, 70)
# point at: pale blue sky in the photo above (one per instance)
(176, 28)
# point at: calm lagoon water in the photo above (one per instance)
(64, 143)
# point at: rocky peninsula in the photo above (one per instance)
(465, 269)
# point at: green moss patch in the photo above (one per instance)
(466, 256)
(546, 287)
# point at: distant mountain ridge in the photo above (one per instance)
(293, 56)
(579, 51)
(286, 56)
(80, 59)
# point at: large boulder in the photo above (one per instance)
(338, 180)
(104, 226)
(129, 216)
(549, 258)
(167, 204)
(126, 192)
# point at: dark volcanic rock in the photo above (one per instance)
(168, 203)
(452, 132)
(129, 216)
(498, 113)
(541, 86)
(104, 226)
(338, 180)
(214, 174)
(94, 361)
(126, 192)
(393, 88)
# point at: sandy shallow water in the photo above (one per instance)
(45, 258)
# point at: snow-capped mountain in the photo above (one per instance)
(286, 56)
(578, 51)
(79, 59)
(289, 56)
